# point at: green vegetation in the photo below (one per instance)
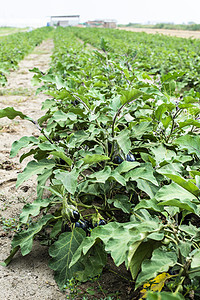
(10, 30)
(15, 46)
(119, 153)
(172, 26)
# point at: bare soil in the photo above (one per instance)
(26, 277)
(178, 33)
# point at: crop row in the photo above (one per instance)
(14, 47)
(119, 153)
(157, 54)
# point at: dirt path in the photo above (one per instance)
(26, 277)
(178, 33)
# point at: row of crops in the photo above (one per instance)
(119, 153)
(14, 47)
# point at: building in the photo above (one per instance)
(64, 21)
(102, 23)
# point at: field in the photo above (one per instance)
(99, 165)
(170, 32)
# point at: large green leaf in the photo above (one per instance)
(163, 296)
(144, 172)
(34, 168)
(150, 204)
(161, 154)
(61, 155)
(11, 113)
(101, 176)
(122, 202)
(119, 178)
(189, 122)
(148, 187)
(68, 179)
(173, 191)
(24, 239)
(126, 166)
(33, 209)
(160, 262)
(195, 259)
(190, 143)
(183, 204)
(139, 251)
(160, 111)
(62, 252)
(61, 116)
(130, 95)
(186, 184)
(24, 142)
(93, 262)
(124, 141)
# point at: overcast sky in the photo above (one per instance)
(124, 11)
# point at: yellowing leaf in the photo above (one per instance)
(155, 285)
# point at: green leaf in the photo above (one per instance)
(119, 178)
(189, 122)
(140, 129)
(151, 204)
(24, 142)
(195, 259)
(183, 204)
(139, 251)
(122, 202)
(61, 116)
(185, 248)
(62, 252)
(130, 95)
(144, 172)
(93, 263)
(173, 191)
(160, 262)
(33, 209)
(69, 180)
(189, 143)
(24, 239)
(160, 111)
(56, 229)
(34, 168)
(42, 179)
(148, 187)
(94, 158)
(101, 176)
(126, 166)
(112, 233)
(124, 141)
(11, 113)
(190, 230)
(186, 184)
(161, 153)
(61, 155)
(163, 296)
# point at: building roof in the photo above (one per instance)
(70, 16)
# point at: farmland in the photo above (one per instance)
(116, 156)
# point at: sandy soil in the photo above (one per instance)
(178, 33)
(26, 277)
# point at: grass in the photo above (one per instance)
(16, 92)
(10, 30)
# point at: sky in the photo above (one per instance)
(37, 12)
